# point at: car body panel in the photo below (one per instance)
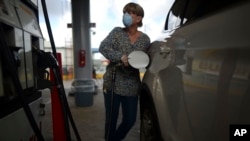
(198, 78)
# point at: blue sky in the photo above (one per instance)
(106, 14)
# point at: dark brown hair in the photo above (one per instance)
(135, 9)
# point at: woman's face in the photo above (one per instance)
(136, 19)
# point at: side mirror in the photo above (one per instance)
(138, 59)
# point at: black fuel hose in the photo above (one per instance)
(111, 102)
(12, 69)
(58, 78)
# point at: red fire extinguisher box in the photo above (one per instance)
(81, 55)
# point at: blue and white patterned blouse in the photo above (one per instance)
(116, 44)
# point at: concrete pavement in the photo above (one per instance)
(89, 120)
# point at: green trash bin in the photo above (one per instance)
(84, 96)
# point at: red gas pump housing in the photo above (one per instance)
(81, 59)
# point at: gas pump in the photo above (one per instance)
(20, 95)
(20, 98)
(23, 73)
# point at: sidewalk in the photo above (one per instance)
(89, 120)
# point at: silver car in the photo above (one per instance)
(197, 86)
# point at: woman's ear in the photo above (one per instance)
(138, 19)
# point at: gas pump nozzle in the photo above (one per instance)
(45, 59)
(16, 56)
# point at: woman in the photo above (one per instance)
(124, 87)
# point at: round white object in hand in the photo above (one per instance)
(138, 59)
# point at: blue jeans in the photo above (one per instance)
(129, 112)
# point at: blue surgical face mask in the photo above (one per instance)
(127, 20)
